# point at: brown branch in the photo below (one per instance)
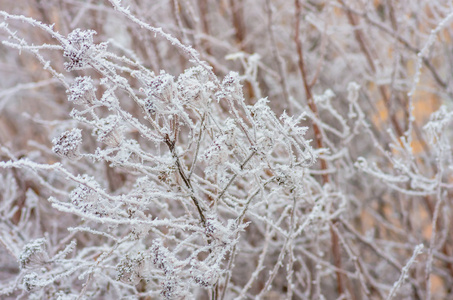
(402, 41)
(308, 93)
(276, 53)
(360, 38)
(203, 8)
(336, 251)
(237, 14)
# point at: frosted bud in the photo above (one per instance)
(206, 279)
(218, 152)
(129, 269)
(218, 231)
(34, 254)
(353, 92)
(231, 86)
(439, 121)
(80, 49)
(68, 143)
(325, 98)
(30, 281)
(82, 91)
(87, 200)
(194, 86)
(160, 90)
(162, 258)
(108, 131)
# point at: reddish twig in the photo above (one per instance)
(319, 142)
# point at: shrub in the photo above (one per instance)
(219, 150)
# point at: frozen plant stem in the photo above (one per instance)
(359, 36)
(234, 176)
(404, 272)
(171, 146)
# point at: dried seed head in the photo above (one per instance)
(82, 91)
(34, 254)
(194, 87)
(80, 49)
(130, 270)
(30, 281)
(108, 131)
(160, 91)
(68, 143)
